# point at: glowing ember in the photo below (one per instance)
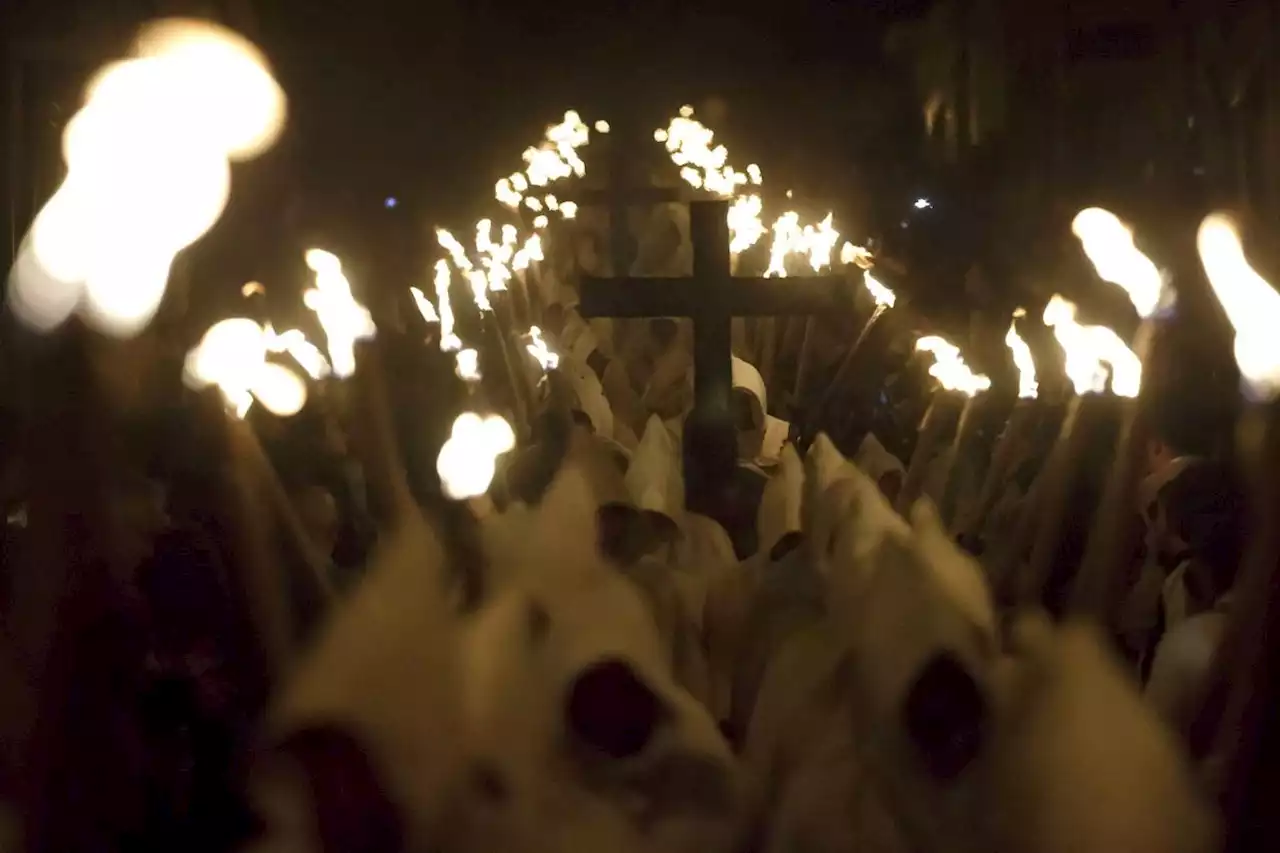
(344, 320)
(1109, 244)
(949, 368)
(1028, 388)
(1250, 302)
(468, 460)
(1092, 353)
(147, 175)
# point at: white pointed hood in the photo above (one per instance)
(746, 376)
(875, 461)
(590, 394)
(655, 480)
(782, 502)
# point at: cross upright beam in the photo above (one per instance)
(712, 297)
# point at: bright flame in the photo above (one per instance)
(537, 347)
(233, 356)
(467, 365)
(745, 225)
(949, 368)
(295, 343)
(344, 320)
(468, 460)
(602, 126)
(1028, 388)
(252, 288)
(425, 308)
(449, 341)
(881, 294)
(1092, 353)
(1250, 302)
(851, 254)
(1109, 244)
(147, 175)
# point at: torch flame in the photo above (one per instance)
(1250, 302)
(344, 320)
(233, 356)
(881, 294)
(1090, 350)
(537, 347)
(425, 308)
(147, 175)
(1109, 244)
(468, 460)
(949, 368)
(295, 343)
(449, 341)
(1028, 388)
(467, 365)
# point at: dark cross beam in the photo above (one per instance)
(712, 298)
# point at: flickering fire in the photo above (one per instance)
(295, 343)
(1108, 242)
(1028, 388)
(881, 294)
(1250, 302)
(425, 308)
(344, 320)
(147, 175)
(449, 341)
(851, 254)
(543, 354)
(468, 460)
(467, 365)
(704, 165)
(949, 368)
(232, 355)
(1093, 353)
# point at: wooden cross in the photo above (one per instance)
(711, 298)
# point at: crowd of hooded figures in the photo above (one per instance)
(277, 634)
(573, 662)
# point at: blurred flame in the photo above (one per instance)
(467, 365)
(745, 225)
(425, 308)
(147, 175)
(449, 341)
(541, 221)
(344, 320)
(1108, 242)
(1250, 302)
(537, 347)
(1088, 351)
(602, 126)
(468, 460)
(949, 368)
(233, 356)
(252, 288)
(569, 210)
(529, 252)
(881, 294)
(851, 254)
(1028, 388)
(295, 343)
